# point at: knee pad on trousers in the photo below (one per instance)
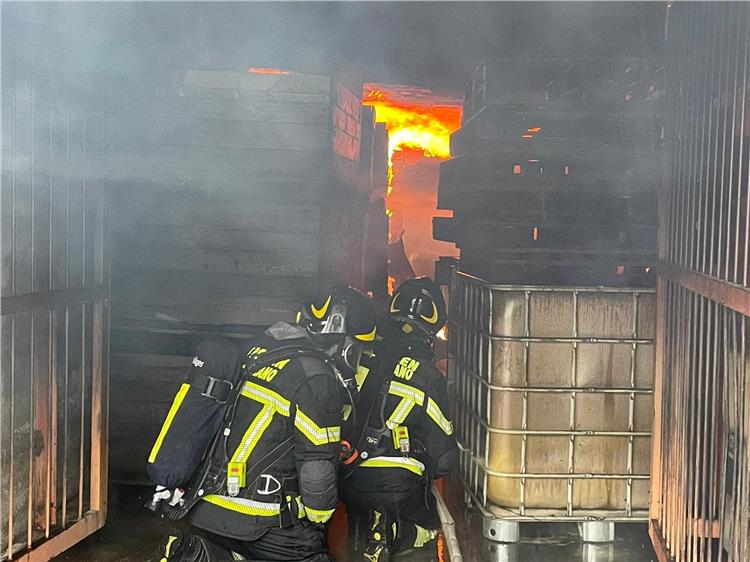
(446, 461)
(317, 481)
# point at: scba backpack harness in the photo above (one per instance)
(195, 446)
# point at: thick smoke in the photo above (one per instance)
(425, 43)
(105, 58)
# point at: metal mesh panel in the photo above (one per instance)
(54, 325)
(703, 490)
(708, 229)
(700, 488)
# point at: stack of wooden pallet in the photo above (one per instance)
(555, 172)
(235, 195)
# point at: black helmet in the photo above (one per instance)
(418, 303)
(341, 321)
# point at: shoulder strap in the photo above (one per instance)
(296, 351)
(372, 432)
(224, 390)
(217, 389)
(315, 365)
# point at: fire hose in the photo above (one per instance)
(449, 528)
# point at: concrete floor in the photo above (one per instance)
(132, 534)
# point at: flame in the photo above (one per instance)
(256, 70)
(422, 127)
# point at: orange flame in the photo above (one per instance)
(256, 70)
(423, 127)
(391, 284)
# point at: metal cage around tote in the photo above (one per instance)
(553, 393)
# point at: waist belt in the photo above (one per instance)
(283, 506)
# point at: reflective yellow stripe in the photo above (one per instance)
(316, 434)
(401, 412)
(176, 403)
(412, 465)
(314, 515)
(244, 506)
(434, 411)
(423, 536)
(318, 515)
(361, 376)
(253, 434)
(170, 540)
(301, 513)
(409, 397)
(406, 391)
(266, 396)
(346, 411)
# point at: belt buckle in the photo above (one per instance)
(212, 382)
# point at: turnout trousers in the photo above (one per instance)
(303, 542)
(413, 511)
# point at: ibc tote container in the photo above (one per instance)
(554, 399)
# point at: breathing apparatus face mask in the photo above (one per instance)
(344, 349)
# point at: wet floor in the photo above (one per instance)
(545, 542)
(132, 535)
(561, 543)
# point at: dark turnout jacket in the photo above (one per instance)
(294, 397)
(415, 396)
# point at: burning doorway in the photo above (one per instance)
(419, 123)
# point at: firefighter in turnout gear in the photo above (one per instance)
(403, 439)
(279, 446)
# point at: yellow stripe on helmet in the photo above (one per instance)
(431, 319)
(367, 337)
(319, 313)
(393, 308)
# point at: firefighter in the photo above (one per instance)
(279, 456)
(403, 439)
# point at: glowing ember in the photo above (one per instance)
(443, 333)
(530, 132)
(255, 70)
(423, 127)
